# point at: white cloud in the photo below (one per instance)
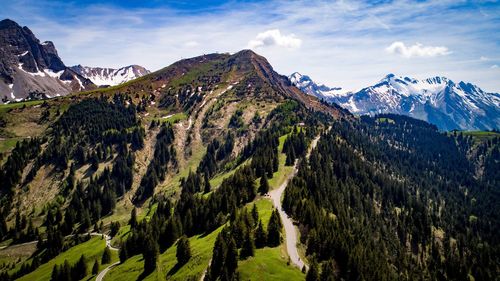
(417, 50)
(494, 66)
(191, 44)
(273, 37)
(483, 58)
(341, 40)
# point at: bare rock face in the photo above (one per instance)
(30, 69)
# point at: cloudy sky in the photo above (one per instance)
(350, 44)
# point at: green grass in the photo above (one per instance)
(92, 250)
(6, 107)
(174, 118)
(268, 264)
(283, 171)
(216, 181)
(192, 164)
(265, 208)
(122, 235)
(201, 250)
(385, 120)
(8, 144)
(478, 136)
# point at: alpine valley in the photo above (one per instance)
(216, 167)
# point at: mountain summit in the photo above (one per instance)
(308, 86)
(438, 100)
(31, 69)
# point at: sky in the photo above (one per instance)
(348, 44)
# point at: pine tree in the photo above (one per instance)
(255, 214)
(150, 255)
(274, 230)
(207, 186)
(80, 268)
(264, 185)
(106, 256)
(231, 262)
(123, 252)
(95, 268)
(313, 274)
(55, 276)
(248, 249)
(133, 219)
(260, 236)
(183, 250)
(328, 271)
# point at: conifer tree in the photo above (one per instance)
(264, 185)
(133, 218)
(260, 236)
(274, 230)
(313, 273)
(248, 249)
(95, 268)
(207, 186)
(106, 256)
(183, 250)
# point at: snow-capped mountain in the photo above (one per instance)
(437, 100)
(308, 86)
(110, 76)
(31, 69)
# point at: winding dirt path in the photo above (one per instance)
(290, 231)
(108, 244)
(103, 273)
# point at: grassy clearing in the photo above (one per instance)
(92, 250)
(385, 120)
(8, 144)
(265, 208)
(283, 171)
(174, 118)
(6, 107)
(216, 181)
(268, 263)
(201, 249)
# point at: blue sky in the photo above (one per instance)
(340, 43)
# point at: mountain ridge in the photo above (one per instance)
(104, 76)
(438, 100)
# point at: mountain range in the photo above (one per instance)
(30, 69)
(110, 76)
(217, 167)
(438, 100)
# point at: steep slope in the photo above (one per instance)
(30, 69)
(98, 154)
(110, 76)
(438, 100)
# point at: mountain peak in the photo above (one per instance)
(8, 23)
(437, 100)
(308, 86)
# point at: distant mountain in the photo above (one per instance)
(437, 100)
(110, 76)
(30, 69)
(308, 86)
